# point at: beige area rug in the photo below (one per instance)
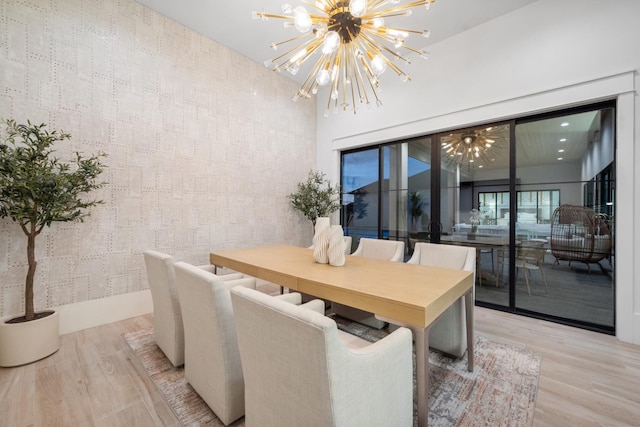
(500, 392)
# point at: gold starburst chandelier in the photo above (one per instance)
(475, 146)
(354, 44)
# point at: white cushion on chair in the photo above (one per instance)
(167, 316)
(212, 362)
(299, 372)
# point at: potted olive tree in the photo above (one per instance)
(36, 189)
(315, 197)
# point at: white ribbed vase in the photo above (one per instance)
(336, 246)
(321, 240)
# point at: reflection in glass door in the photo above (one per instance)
(475, 203)
(360, 194)
(564, 262)
(533, 196)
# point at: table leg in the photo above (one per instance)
(469, 308)
(422, 374)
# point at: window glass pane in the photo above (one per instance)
(359, 185)
(564, 262)
(475, 178)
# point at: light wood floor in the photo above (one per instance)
(587, 379)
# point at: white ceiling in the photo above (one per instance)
(230, 23)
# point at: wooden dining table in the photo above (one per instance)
(412, 294)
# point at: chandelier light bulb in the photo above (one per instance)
(377, 22)
(358, 7)
(302, 20)
(331, 42)
(323, 78)
(378, 64)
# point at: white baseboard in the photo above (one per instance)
(87, 314)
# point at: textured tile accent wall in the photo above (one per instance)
(203, 144)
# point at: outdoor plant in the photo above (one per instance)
(415, 207)
(316, 197)
(37, 188)
(474, 219)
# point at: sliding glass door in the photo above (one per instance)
(534, 196)
(475, 202)
(565, 212)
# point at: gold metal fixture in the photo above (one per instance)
(474, 147)
(354, 43)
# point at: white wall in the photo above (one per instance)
(204, 146)
(546, 56)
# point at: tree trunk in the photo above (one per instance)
(28, 289)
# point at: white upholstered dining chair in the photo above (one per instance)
(389, 250)
(448, 334)
(299, 372)
(167, 317)
(212, 363)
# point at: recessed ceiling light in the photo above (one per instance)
(564, 124)
(559, 158)
(563, 140)
(561, 150)
(481, 166)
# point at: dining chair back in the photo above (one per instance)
(448, 334)
(168, 330)
(212, 362)
(298, 371)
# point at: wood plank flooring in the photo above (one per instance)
(587, 379)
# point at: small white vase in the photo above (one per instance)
(336, 246)
(321, 240)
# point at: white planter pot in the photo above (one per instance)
(22, 343)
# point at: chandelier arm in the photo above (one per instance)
(336, 68)
(310, 50)
(371, 42)
(293, 49)
(362, 90)
(298, 37)
(273, 15)
(404, 30)
(371, 78)
(414, 50)
(308, 84)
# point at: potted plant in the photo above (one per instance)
(316, 197)
(36, 189)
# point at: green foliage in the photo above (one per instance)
(415, 207)
(36, 188)
(415, 204)
(357, 209)
(315, 197)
